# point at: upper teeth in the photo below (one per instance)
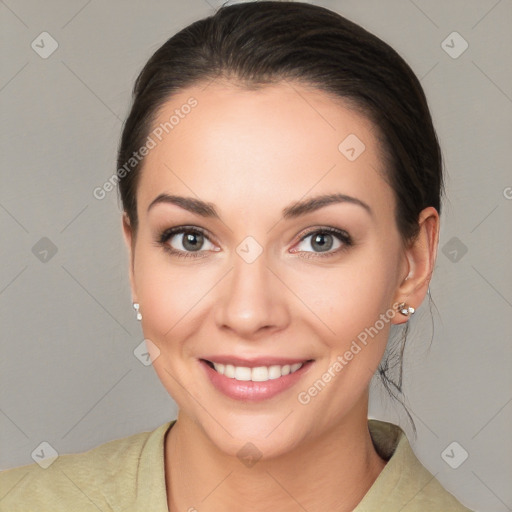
(258, 374)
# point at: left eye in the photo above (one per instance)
(324, 240)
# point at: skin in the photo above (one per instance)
(252, 153)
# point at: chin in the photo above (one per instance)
(254, 436)
(250, 444)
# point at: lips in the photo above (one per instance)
(255, 379)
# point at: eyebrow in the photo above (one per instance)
(294, 210)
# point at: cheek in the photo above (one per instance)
(351, 296)
(170, 300)
(172, 295)
(354, 304)
(165, 297)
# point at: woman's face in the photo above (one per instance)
(255, 281)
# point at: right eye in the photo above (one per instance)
(184, 242)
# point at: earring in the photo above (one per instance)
(136, 307)
(405, 309)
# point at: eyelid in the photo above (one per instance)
(177, 230)
(169, 233)
(343, 237)
(322, 229)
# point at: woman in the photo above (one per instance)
(281, 183)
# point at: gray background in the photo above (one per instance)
(68, 373)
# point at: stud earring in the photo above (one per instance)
(136, 307)
(405, 309)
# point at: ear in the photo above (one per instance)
(129, 239)
(420, 256)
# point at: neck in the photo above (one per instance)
(333, 472)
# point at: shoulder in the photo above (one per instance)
(103, 477)
(404, 483)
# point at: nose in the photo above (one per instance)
(252, 300)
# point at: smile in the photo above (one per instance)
(262, 380)
(257, 374)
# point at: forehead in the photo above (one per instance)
(235, 146)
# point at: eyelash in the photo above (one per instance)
(342, 236)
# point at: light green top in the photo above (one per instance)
(128, 475)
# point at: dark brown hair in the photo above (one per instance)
(259, 43)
